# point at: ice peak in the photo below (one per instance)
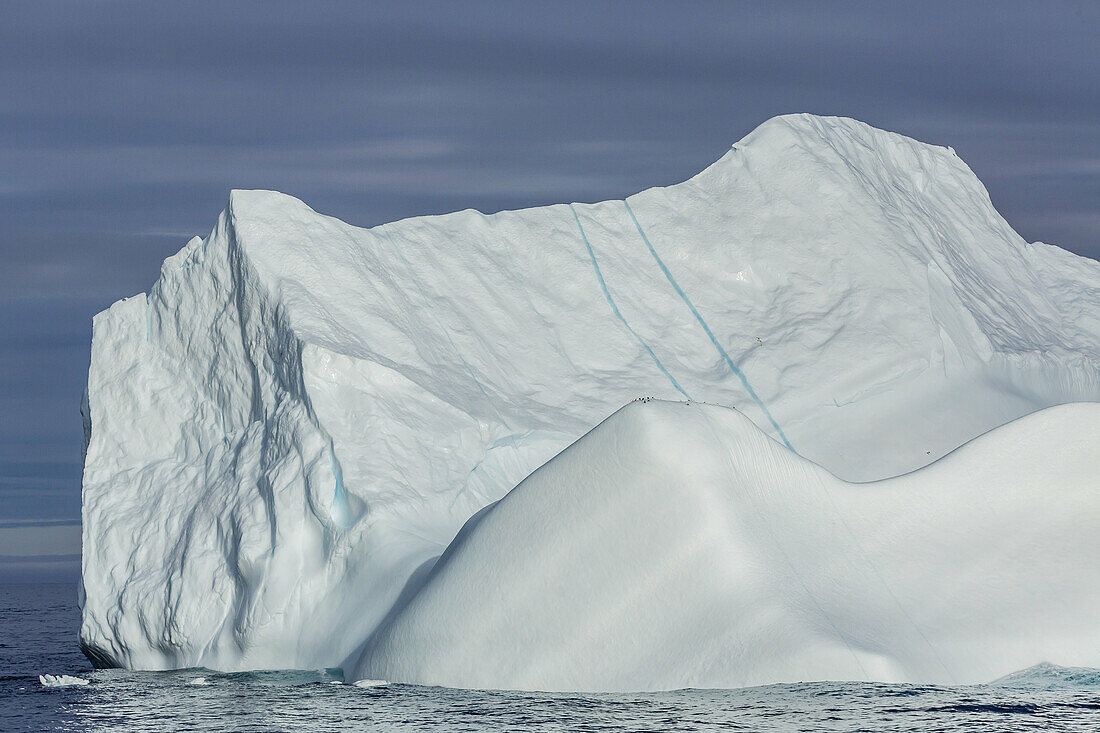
(253, 201)
(810, 130)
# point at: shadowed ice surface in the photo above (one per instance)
(38, 626)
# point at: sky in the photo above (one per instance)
(123, 126)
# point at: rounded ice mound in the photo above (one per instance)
(679, 546)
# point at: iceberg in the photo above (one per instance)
(290, 428)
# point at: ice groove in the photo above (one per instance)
(446, 333)
(341, 507)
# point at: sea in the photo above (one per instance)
(38, 635)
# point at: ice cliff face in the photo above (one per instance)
(300, 415)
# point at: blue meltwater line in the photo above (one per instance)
(710, 334)
(341, 508)
(615, 308)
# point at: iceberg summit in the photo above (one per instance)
(817, 413)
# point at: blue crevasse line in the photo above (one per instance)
(615, 308)
(710, 334)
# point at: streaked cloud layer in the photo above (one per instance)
(124, 124)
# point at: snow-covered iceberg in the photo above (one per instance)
(284, 434)
(678, 546)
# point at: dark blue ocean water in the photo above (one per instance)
(38, 630)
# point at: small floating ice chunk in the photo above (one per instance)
(199, 681)
(61, 680)
(371, 683)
